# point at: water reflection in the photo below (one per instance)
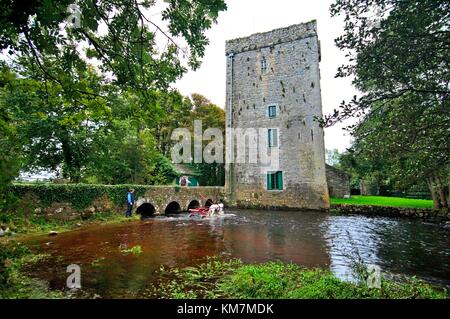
(307, 238)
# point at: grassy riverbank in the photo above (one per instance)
(276, 280)
(13, 283)
(216, 278)
(384, 201)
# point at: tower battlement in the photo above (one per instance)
(271, 38)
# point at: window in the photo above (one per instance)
(272, 111)
(273, 137)
(263, 65)
(275, 181)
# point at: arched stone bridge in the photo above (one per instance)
(161, 200)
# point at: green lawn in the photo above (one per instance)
(384, 201)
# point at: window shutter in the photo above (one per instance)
(280, 180)
(269, 181)
(269, 131)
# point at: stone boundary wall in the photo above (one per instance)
(73, 201)
(428, 215)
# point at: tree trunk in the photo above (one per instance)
(443, 195)
(434, 194)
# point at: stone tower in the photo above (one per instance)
(273, 86)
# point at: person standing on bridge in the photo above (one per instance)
(130, 202)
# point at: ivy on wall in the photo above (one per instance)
(80, 196)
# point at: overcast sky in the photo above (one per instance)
(245, 17)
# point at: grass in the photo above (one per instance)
(276, 280)
(14, 284)
(384, 201)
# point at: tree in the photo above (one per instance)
(398, 52)
(332, 157)
(57, 132)
(395, 48)
(212, 116)
(119, 34)
(412, 141)
(10, 144)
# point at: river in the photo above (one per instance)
(312, 239)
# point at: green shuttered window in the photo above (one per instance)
(275, 181)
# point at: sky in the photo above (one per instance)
(245, 17)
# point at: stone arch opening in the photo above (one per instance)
(146, 210)
(194, 204)
(173, 208)
(209, 202)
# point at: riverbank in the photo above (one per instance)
(276, 280)
(216, 278)
(384, 201)
(435, 216)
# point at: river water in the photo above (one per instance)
(398, 246)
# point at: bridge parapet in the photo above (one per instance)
(161, 197)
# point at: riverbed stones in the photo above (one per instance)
(88, 213)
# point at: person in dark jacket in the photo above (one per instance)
(130, 202)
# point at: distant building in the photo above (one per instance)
(273, 83)
(338, 182)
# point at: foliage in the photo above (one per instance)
(394, 48)
(275, 280)
(13, 284)
(212, 116)
(384, 201)
(10, 146)
(135, 250)
(118, 34)
(192, 282)
(79, 196)
(398, 57)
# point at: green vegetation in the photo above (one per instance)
(79, 196)
(276, 280)
(384, 201)
(111, 123)
(397, 54)
(135, 250)
(13, 284)
(216, 278)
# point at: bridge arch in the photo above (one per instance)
(208, 202)
(146, 210)
(173, 208)
(193, 204)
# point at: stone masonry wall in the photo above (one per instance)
(58, 204)
(338, 182)
(292, 84)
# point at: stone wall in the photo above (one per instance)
(60, 202)
(291, 83)
(338, 182)
(430, 215)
